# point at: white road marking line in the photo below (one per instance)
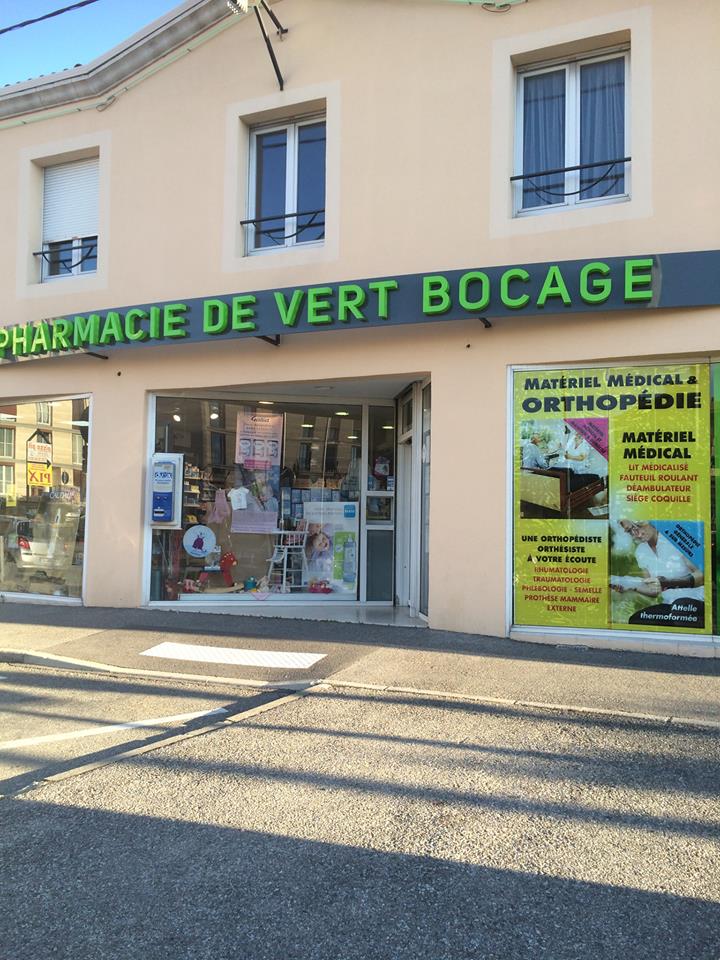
(275, 659)
(109, 728)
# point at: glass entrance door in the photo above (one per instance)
(379, 510)
(413, 499)
(425, 501)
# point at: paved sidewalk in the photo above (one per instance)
(371, 656)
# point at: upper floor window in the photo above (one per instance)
(7, 443)
(7, 480)
(287, 185)
(571, 134)
(77, 448)
(70, 219)
(43, 412)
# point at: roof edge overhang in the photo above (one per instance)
(117, 65)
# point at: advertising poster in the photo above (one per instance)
(613, 498)
(258, 442)
(258, 449)
(38, 447)
(332, 546)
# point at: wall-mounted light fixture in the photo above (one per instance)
(492, 6)
(502, 6)
(241, 7)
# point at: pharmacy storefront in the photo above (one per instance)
(279, 498)
(287, 449)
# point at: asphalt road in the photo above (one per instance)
(52, 720)
(348, 825)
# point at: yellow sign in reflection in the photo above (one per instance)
(39, 475)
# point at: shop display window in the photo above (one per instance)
(613, 511)
(270, 504)
(43, 470)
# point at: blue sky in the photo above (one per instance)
(74, 37)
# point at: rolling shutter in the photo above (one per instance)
(70, 200)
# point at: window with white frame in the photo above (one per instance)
(286, 205)
(77, 448)
(7, 443)
(7, 479)
(572, 139)
(43, 412)
(70, 219)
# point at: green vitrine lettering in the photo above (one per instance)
(318, 305)
(243, 312)
(436, 295)
(638, 280)
(508, 277)
(595, 282)
(215, 316)
(351, 298)
(469, 287)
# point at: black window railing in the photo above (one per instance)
(608, 174)
(54, 256)
(272, 232)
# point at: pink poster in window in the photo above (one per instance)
(592, 429)
(258, 444)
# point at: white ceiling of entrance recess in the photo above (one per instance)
(370, 388)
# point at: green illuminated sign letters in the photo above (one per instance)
(454, 295)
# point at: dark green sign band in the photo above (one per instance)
(573, 287)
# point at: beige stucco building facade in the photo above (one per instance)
(421, 108)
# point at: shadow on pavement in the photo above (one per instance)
(32, 691)
(86, 883)
(528, 805)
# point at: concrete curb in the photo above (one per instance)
(67, 663)
(713, 725)
(53, 661)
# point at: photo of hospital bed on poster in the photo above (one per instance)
(563, 468)
(657, 576)
(331, 549)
